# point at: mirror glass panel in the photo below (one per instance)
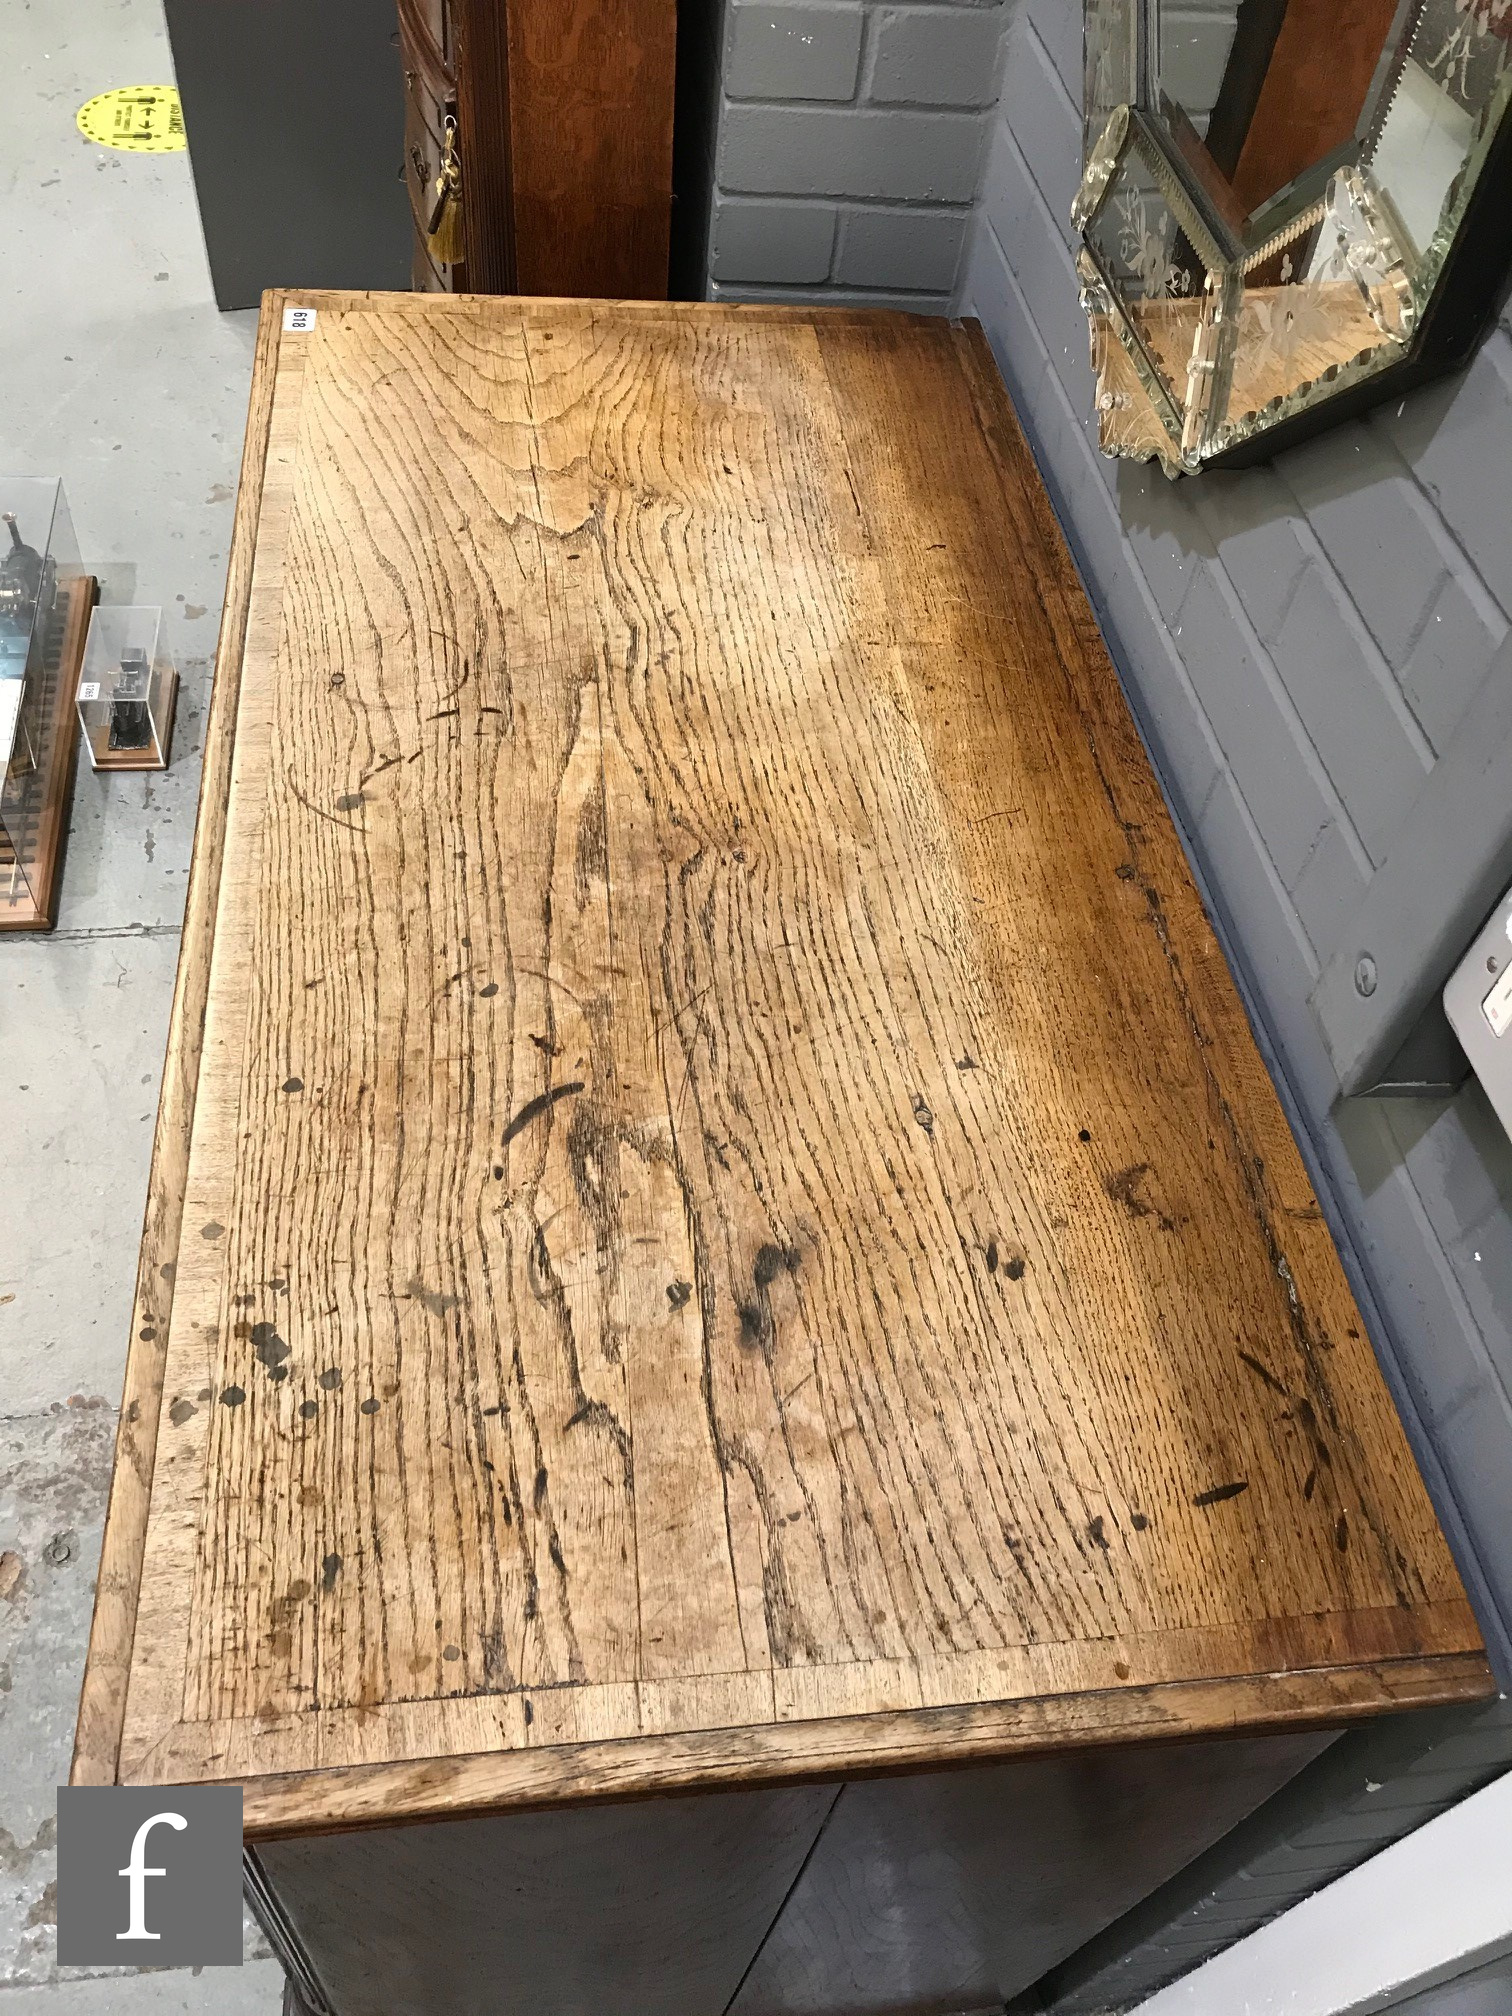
(1444, 79)
(1112, 64)
(1272, 188)
(1157, 271)
(1281, 93)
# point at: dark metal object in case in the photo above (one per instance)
(25, 582)
(130, 722)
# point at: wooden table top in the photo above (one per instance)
(716, 1214)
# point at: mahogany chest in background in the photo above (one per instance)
(559, 114)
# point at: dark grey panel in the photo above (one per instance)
(1487, 1991)
(953, 1891)
(295, 116)
(700, 30)
(648, 1909)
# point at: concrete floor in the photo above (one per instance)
(120, 376)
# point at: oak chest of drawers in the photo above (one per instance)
(739, 1398)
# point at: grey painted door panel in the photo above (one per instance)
(1485, 1992)
(953, 1891)
(649, 1909)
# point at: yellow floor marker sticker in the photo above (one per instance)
(137, 118)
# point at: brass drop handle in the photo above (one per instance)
(443, 224)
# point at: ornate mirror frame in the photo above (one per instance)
(1290, 210)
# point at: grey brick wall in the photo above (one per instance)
(1299, 643)
(851, 137)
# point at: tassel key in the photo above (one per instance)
(443, 226)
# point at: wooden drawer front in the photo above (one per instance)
(426, 277)
(424, 121)
(426, 39)
(424, 126)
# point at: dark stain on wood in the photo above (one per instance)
(1220, 1492)
(1268, 1377)
(774, 1260)
(432, 1298)
(268, 1347)
(1124, 1187)
(542, 1103)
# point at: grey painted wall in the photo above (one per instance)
(1298, 643)
(851, 136)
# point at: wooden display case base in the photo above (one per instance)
(29, 902)
(103, 757)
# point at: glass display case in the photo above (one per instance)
(127, 690)
(45, 600)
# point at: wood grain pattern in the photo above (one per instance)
(1315, 88)
(297, 1799)
(565, 110)
(1262, 372)
(102, 1702)
(591, 85)
(734, 1226)
(480, 87)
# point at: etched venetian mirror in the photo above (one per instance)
(1290, 210)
